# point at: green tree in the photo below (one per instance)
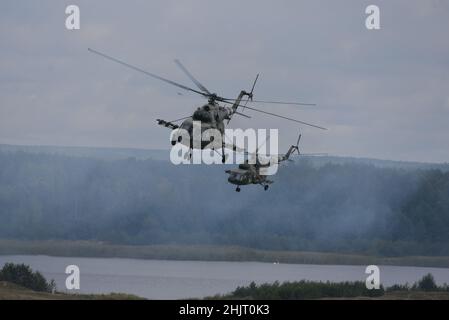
(24, 276)
(427, 283)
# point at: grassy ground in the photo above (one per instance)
(205, 253)
(9, 291)
(415, 295)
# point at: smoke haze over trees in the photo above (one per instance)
(313, 205)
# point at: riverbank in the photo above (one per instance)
(59, 248)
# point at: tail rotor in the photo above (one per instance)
(297, 144)
(250, 95)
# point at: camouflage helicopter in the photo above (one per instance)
(248, 173)
(211, 115)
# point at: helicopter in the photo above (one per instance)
(250, 173)
(211, 115)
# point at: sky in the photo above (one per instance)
(381, 93)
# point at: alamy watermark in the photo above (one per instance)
(73, 20)
(372, 21)
(373, 280)
(72, 282)
(206, 146)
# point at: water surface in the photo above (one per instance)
(162, 279)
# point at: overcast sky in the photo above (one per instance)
(382, 94)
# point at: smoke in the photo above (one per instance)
(313, 204)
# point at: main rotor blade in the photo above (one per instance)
(250, 97)
(254, 84)
(242, 114)
(277, 102)
(285, 102)
(279, 116)
(191, 77)
(299, 139)
(146, 72)
(258, 147)
(183, 118)
(286, 118)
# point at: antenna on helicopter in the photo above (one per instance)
(250, 95)
(236, 105)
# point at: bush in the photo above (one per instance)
(427, 283)
(24, 276)
(304, 290)
(399, 287)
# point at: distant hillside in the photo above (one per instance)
(322, 160)
(67, 248)
(155, 154)
(10, 291)
(342, 205)
(89, 152)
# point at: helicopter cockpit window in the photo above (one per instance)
(235, 175)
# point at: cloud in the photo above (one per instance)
(382, 93)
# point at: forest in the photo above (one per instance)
(307, 290)
(314, 205)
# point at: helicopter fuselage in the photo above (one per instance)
(210, 116)
(252, 173)
(246, 178)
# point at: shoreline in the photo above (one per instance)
(93, 249)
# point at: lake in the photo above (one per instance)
(162, 279)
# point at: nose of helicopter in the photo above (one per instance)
(233, 179)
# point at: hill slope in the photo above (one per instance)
(10, 291)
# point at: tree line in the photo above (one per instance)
(335, 207)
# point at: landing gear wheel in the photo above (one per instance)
(238, 189)
(265, 187)
(223, 155)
